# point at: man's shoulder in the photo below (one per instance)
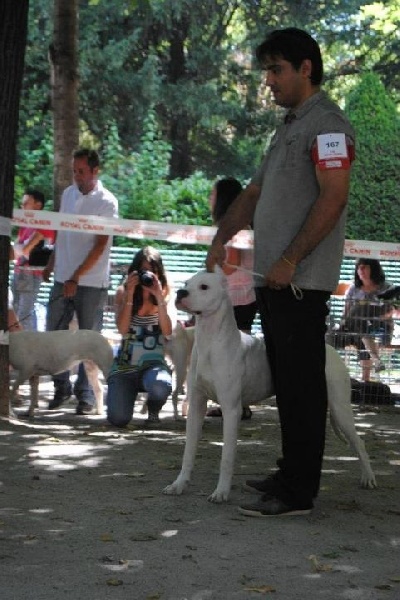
(327, 113)
(105, 195)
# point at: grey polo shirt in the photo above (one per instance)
(289, 188)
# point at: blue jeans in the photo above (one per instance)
(123, 389)
(25, 289)
(87, 304)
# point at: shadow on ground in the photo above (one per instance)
(82, 514)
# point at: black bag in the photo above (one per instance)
(371, 392)
(39, 255)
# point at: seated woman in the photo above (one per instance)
(143, 321)
(366, 318)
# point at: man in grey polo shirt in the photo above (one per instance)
(81, 270)
(297, 200)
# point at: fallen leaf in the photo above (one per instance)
(349, 548)
(318, 566)
(106, 537)
(383, 586)
(114, 582)
(263, 589)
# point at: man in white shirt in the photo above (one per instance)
(81, 269)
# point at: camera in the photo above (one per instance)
(146, 278)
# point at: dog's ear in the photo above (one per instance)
(221, 275)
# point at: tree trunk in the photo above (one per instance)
(63, 56)
(13, 27)
(180, 164)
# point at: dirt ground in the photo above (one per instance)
(82, 514)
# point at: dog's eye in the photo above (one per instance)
(204, 286)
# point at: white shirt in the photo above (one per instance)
(72, 247)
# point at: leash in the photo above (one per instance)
(298, 293)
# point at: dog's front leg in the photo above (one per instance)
(231, 416)
(194, 424)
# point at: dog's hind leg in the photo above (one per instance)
(92, 372)
(13, 394)
(341, 413)
(34, 403)
(194, 424)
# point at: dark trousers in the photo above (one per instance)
(294, 332)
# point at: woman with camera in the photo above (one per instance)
(143, 321)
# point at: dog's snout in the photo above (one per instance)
(181, 294)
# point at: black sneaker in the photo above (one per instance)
(60, 396)
(84, 408)
(273, 507)
(152, 418)
(269, 485)
(246, 413)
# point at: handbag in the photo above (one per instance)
(39, 255)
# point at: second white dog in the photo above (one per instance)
(230, 367)
(34, 353)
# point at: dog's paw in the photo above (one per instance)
(175, 489)
(218, 496)
(368, 483)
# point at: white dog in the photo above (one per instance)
(35, 353)
(230, 367)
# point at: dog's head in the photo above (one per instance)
(204, 293)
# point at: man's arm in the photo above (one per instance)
(93, 256)
(238, 216)
(322, 218)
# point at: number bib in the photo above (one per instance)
(331, 151)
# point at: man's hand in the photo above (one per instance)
(215, 255)
(280, 275)
(70, 288)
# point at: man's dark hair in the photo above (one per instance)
(293, 45)
(38, 196)
(92, 156)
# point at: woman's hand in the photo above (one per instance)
(131, 282)
(155, 289)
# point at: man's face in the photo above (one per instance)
(85, 177)
(289, 87)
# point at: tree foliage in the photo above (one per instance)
(187, 65)
(374, 211)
